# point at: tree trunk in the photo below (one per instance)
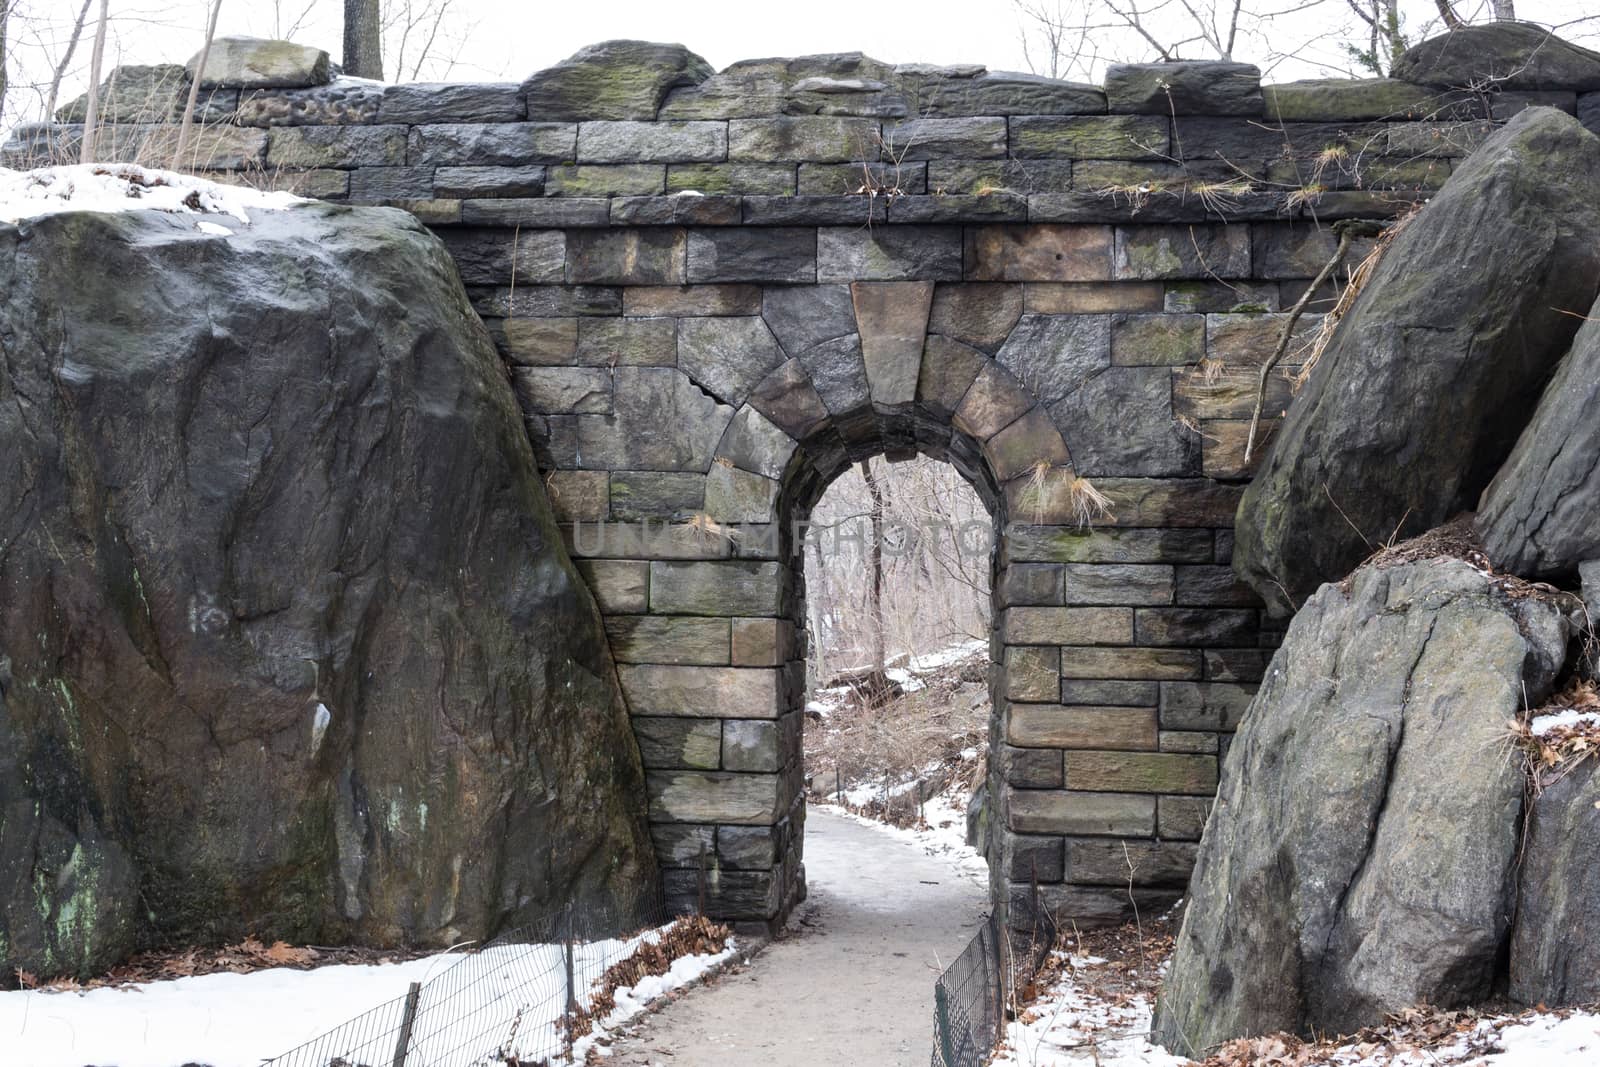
(875, 565)
(187, 127)
(1448, 14)
(91, 116)
(66, 60)
(363, 44)
(5, 19)
(1504, 10)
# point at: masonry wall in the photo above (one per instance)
(715, 291)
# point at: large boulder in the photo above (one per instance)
(1437, 367)
(1499, 56)
(1362, 853)
(289, 643)
(1540, 515)
(1555, 947)
(255, 63)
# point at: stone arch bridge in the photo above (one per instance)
(714, 291)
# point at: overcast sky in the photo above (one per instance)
(493, 39)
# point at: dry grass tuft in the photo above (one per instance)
(689, 936)
(1353, 286)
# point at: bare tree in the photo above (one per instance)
(363, 39)
(187, 127)
(875, 567)
(91, 117)
(5, 24)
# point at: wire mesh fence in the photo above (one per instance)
(970, 997)
(529, 998)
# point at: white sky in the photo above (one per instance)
(491, 40)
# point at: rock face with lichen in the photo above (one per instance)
(289, 643)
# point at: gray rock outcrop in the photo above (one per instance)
(1369, 812)
(1435, 370)
(289, 643)
(1541, 514)
(614, 80)
(1499, 56)
(1555, 947)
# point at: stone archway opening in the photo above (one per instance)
(898, 618)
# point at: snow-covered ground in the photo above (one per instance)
(944, 837)
(126, 187)
(239, 1020)
(1069, 1026)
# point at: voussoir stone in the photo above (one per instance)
(254, 63)
(1184, 88)
(613, 80)
(1435, 371)
(1368, 737)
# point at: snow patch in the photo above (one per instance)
(116, 187)
(1543, 724)
(944, 838)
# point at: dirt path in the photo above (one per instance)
(851, 983)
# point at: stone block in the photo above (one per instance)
(562, 390)
(1204, 705)
(748, 847)
(730, 587)
(947, 372)
(1041, 253)
(635, 342)
(652, 142)
(382, 185)
(996, 206)
(1348, 100)
(1204, 296)
(762, 642)
(740, 179)
(994, 401)
(1250, 339)
(750, 745)
(1229, 394)
(1188, 627)
(1007, 93)
(494, 257)
(544, 213)
(1036, 859)
(857, 179)
(1183, 88)
(986, 177)
(1205, 251)
(787, 397)
(340, 104)
(674, 743)
(1141, 772)
(1091, 137)
(1030, 768)
(738, 496)
(1080, 813)
(1031, 443)
(462, 144)
(1079, 727)
(699, 692)
(428, 103)
(691, 300)
(676, 210)
(1068, 626)
(733, 896)
(619, 586)
(892, 322)
(706, 797)
(653, 256)
(680, 844)
(1187, 741)
(754, 443)
(1163, 864)
(727, 356)
(814, 211)
(639, 495)
(1122, 424)
(1157, 340)
(888, 253)
(1117, 583)
(1032, 673)
(254, 63)
(661, 420)
(808, 138)
(581, 496)
(1087, 298)
(1236, 664)
(1214, 586)
(606, 180)
(613, 80)
(540, 342)
(753, 255)
(1181, 818)
(964, 138)
(468, 182)
(1030, 584)
(1133, 664)
(1111, 694)
(1224, 443)
(669, 639)
(1072, 544)
(977, 314)
(336, 146)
